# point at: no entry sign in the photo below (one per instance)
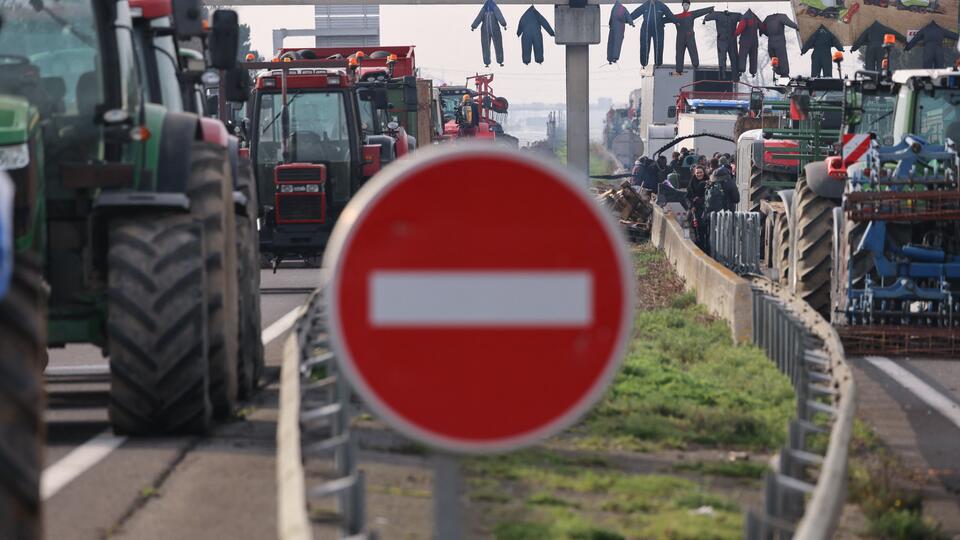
(479, 300)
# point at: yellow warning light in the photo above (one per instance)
(889, 39)
(250, 57)
(837, 56)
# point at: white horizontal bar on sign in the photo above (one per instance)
(481, 298)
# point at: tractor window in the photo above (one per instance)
(51, 56)
(167, 68)
(367, 116)
(319, 131)
(874, 115)
(936, 117)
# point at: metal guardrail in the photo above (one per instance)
(804, 498)
(735, 240)
(315, 423)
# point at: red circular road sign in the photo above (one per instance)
(479, 299)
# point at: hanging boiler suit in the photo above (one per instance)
(619, 18)
(530, 35)
(490, 19)
(655, 15)
(726, 23)
(686, 39)
(821, 62)
(773, 27)
(872, 39)
(748, 29)
(932, 36)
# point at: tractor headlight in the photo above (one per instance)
(15, 156)
(286, 188)
(313, 188)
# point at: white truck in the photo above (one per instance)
(659, 88)
(697, 116)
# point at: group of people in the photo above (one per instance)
(710, 184)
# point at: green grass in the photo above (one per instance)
(684, 383)
(570, 497)
(599, 163)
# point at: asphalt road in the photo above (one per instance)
(914, 405)
(97, 485)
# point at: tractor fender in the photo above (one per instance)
(387, 150)
(820, 181)
(213, 131)
(173, 164)
(112, 204)
(786, 196)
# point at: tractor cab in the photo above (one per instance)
(308, 152)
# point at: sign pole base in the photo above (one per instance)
(448, 515)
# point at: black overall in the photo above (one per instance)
(774, 27)
(655, 15)
(686, 39)
(748, 29)
(932, 37)
(531, 37)
(821, 41)
(872, 39)
(490, 19)
(726, 23)
(619, 18)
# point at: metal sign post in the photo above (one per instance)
(448, 514)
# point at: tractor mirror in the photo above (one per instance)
(187, 18)
(672, 111)
(224, 38)
(379, 98)
(237, 85)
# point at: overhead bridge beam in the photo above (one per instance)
(423, 2)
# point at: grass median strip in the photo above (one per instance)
(684, 387)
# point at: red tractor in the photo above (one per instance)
(308, 150)
(474, 113)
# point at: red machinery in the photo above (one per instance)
(492, 110)
(378, 63)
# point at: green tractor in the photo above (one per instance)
(132, 212)
(154, 30)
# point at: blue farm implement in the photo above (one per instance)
(899, 285)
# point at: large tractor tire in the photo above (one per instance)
(759, 191)
(156, 314)
(781, 247)
(250, 354)
(812, 248)
(22, 343)
(211, 201)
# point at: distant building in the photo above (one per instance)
(347, 26)
(604, 102)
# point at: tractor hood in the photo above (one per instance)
(14, 120)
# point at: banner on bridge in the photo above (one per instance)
(847, 19)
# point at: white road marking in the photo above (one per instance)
(481, 298)
(80, 459)
(64, 471)
(939, 402)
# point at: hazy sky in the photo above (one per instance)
(448, 50)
